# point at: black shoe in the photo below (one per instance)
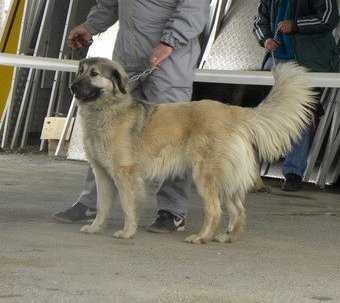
(292, 182)
(75, 214)
(166, 222)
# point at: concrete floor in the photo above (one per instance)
(290, 252)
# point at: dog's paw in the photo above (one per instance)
(90, 229)
(223, 238)
(195, 239)
(266, 189)
(122, 234)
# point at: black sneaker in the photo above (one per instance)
(76, 214)
(292, 182)
(166, 222)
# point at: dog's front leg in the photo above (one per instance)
(130, 187)
(104, 200)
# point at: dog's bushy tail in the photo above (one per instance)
(279, 120)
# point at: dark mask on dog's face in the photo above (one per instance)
(96, 77)
(83, 87)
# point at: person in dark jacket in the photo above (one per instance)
(162, 34)
(299, 30)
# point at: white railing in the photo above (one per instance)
(214, 76)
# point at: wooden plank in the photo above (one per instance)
(53, 127)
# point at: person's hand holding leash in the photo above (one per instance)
(285, 27)
(159, 54)
(271, 45)
(79, 37)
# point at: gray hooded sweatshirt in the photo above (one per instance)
(145, 23)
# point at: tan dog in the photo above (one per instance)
(129, 143)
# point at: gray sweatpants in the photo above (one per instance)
(172, 195)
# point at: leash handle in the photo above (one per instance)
(272, 53)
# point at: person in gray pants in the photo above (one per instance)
(162, 34)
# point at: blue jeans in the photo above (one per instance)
(296, 160)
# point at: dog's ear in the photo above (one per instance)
(120, 79)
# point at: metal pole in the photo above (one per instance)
(204, 75)
(25, 99)
(53, 64)
(9, 103)
(320, 132)
(32, 101)
(2, 120)
(332, 146)
(66, 126)
(57, 75)
(336, 173)
(37, 76)
(321, 179)
(261, 77)
(212, 30)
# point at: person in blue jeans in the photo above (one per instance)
(299, 30)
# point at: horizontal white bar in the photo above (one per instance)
(211, 76)
(234, 77)
(261, 78)
(38, 62)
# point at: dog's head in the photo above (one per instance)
(97, 77)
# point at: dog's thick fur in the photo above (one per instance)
(131, 143)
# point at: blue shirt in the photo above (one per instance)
(286, 48)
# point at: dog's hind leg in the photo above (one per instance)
(130, 187)
(208, 189)
(105, 196)
(237, 218)
(240, 224)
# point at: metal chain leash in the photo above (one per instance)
(142, 75)
(133, 78)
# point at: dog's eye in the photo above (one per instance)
(94, 73)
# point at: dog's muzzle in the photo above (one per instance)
(85, 91)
